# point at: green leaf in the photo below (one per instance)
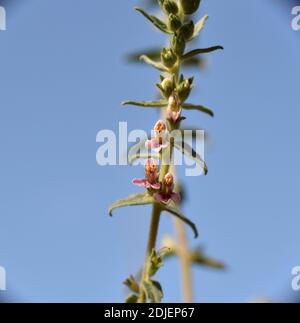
(199, 26)
(199, 258)
(157, 65)
(135, 157)
(155, 262)
(132, 200)
(155, 21)
(147, 104)
(132, 299)
(187, 150)
(201, 108)
(155, 54)
(174, 209)
(153, 291)
(199, 51)
(132, 284)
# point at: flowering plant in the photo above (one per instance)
(159, 183)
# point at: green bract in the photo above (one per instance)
(189, 6)
(168, 57)
(170, 6)
(174, 22)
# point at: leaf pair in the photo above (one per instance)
(164, 103)
(163, 26)
(147, 199)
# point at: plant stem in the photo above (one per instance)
(155, 218)
(183, 253)
(185, 262)
(153, 230)
(156, 211)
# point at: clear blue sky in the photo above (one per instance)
(62, 79)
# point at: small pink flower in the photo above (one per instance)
(151, 174)
(167, 195)
(174, 109)
(161, 140)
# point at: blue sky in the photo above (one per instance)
(63, 76)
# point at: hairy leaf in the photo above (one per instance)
(175, 210)
(147, 104)
(132, 299)
(199, 51)
(187, 150)
(155, 21)
(154, 54)
(132, 200)
(201, 108)
(153, 291)
(198, 257)
(154, 64)
(132, 284)
(199, 26)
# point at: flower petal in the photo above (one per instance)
(160, 198)
(176, 197)
(155, 186)
(140, 182)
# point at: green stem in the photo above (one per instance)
(185, 262)
(155, 219)
(156, 212)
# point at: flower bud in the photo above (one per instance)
(178, 44)
(174, 109)
(151, 170)
(168, 57)
(167, 87)
(174, 22)
(169, 180)
(189, 6)
(170, 6)
(184, 89)
(160, 127)
(187, 30)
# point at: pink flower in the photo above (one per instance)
(167, 195)
(174, 109)
(151, 174)
(161, 140)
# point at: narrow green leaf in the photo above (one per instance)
(132, 299)
(199, 26)
(201, 108)
(175, 210)
(132, 284)
(153, 291)
(199, 258)
(155, 21)
(132, 200)
(199, 51)
(187, 150)
(147, 104)
(154, 54)
(157, 65)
